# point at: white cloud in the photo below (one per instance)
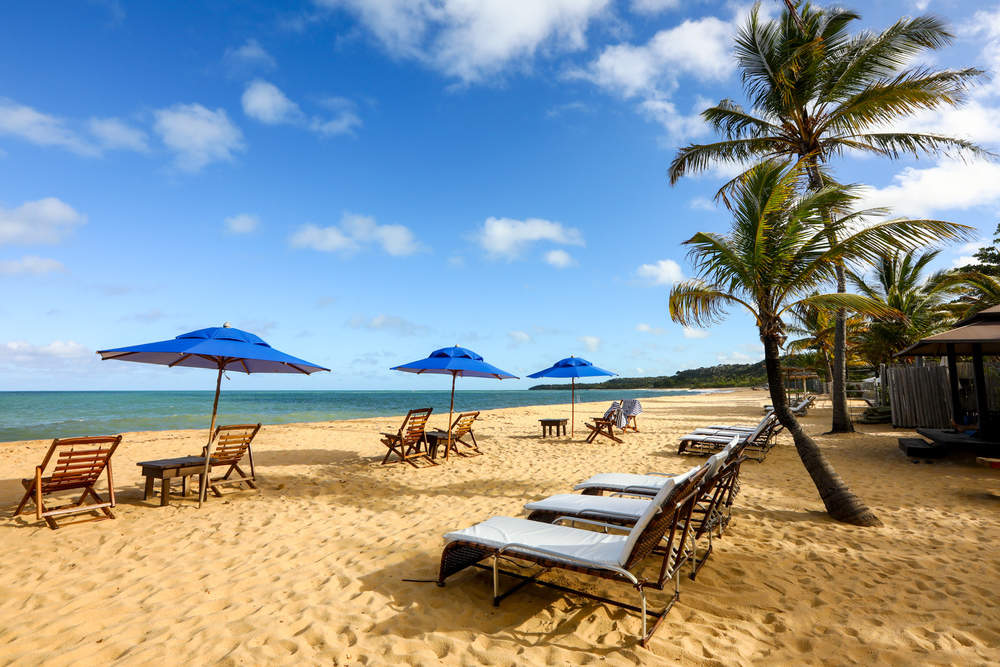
(590, 342)
(949, 185)
(663, 272)
(747, 353)
(243, 223)
(198, 136)
(354, 231)
(472, 41)
(116, 134)
(326, 239)
(653, 6)
(397, 325)
(58, 354)
(46, 220)
(690, 332)
(702, 204)
(559, 259)
(701, 48)
(30, 265)
(968, 252)
(265, 102)
(40, 128)
(507, 238)
(248, 57)
(642, 327)
(518, 338)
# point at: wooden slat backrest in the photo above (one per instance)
(463, 424)
(232, 442)
(414, 425)
(79, 462)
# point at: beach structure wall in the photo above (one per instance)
(919, 396)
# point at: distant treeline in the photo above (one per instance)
(723, 375)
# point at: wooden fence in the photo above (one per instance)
(919, 396)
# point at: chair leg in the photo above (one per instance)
(24, 501)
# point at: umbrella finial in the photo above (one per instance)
(227, 325)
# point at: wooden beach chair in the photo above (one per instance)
(619, 556)
(232, 443)
(632, 408)
(77, 464)
(409, 444)
(461, 434)
(605, 425)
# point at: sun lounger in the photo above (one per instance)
(77, 464)
(409, 444)
(800, 409)
(711, 507)
(709, 441)
(232, 444)
(461, 434)
(616, 554)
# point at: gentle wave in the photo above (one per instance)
(32, 415)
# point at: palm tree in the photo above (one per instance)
(817, 91)
(898, 284)
(778, 252)
(978, 290)
(816, 328)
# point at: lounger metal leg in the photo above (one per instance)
(496, 583)
(642, 597)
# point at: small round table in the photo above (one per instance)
(553, 425)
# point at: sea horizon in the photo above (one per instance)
(45, 414)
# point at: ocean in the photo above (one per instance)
(33, 415)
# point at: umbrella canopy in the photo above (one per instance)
(454, 361)
(572, 367)
(223, 348)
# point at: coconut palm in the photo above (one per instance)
(978, 290)
(898, 283)
(778, 252)
(815, 328)
(817, 91)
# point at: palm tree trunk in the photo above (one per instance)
(841, 417)
(840, 503)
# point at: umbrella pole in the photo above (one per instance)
(203, 483)
(572, 408)
(451, 410)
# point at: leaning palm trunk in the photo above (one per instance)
(841, 417)
(840, 503)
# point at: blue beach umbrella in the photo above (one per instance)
(224, 348)
(572, 367)
(454, 361)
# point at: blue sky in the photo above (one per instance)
(363, 181)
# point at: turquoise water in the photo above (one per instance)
(32, 415)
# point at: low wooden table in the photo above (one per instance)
(434, 438)
(166, 470)
(550, 425)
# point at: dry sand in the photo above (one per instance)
(309, 570)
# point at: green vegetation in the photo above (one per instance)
(723, 375)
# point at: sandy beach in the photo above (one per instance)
(310, 569)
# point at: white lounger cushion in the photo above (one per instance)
(575, 504)
(721, 438)
(587, 545)
(624, 480)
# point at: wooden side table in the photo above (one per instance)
(550, 426)
(166, 470)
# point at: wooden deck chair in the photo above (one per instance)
(592, 552)
(232, 443)
(605, 425)
(632, 409)
(77, 466)
(409, 444)
(461, 434)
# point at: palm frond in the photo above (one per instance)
(700, 304)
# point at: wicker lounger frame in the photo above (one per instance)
(711, 511)
(668, 531)
(755, 448)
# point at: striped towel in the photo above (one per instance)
(631, 407)
(616, 415)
